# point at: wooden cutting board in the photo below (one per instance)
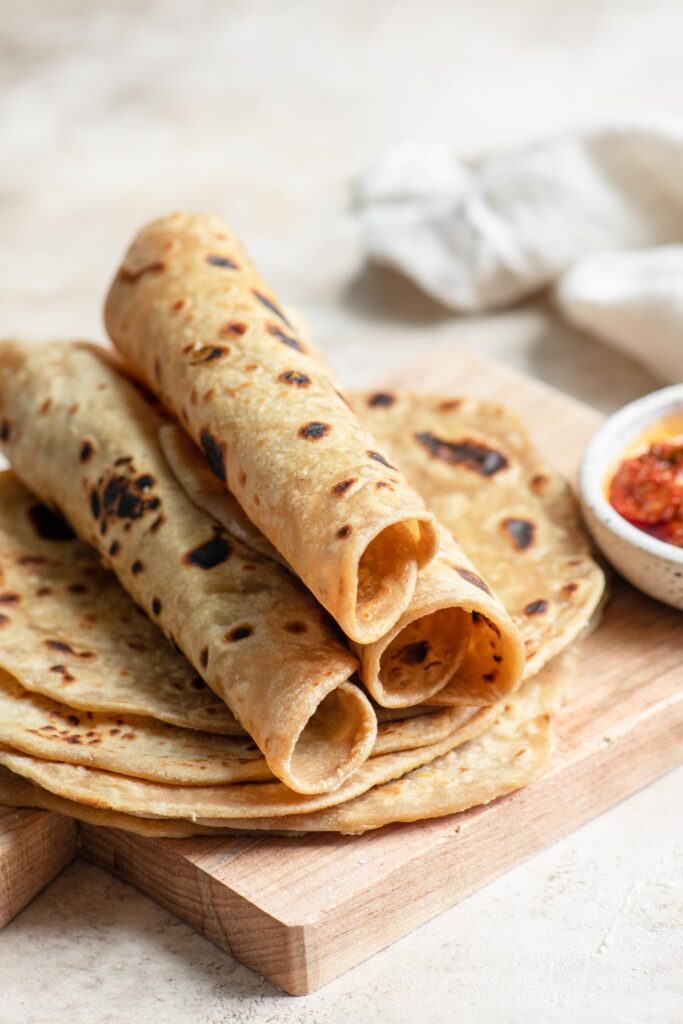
(303, 911)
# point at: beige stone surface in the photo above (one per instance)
(264, 110)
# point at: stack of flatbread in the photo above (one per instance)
(233, 597)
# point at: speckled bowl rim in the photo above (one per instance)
(604, 449)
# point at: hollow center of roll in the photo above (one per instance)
(332, 741)
(424, 655)
(386, 573)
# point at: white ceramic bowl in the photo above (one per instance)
(651, 565)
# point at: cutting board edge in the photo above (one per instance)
(34, 847)
(227, 918)
(307, 953)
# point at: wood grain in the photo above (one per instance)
(34, 847)
(302, 911)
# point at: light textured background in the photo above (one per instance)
(113, 113)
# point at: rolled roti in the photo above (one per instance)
(513, 515)
(85, 440)
(197, 324)
(514, 751)
(455, 641)
(455, 635)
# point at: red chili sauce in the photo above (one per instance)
(647, 489)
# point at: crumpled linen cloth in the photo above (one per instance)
(597, 214)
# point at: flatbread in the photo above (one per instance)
(423, 729)
(515, 517)
(85, 439)
(197, 324)
(207, 492)
(140, 747)
(146, 799)
(147, 749)
(455, 642)
(512, 753)
(53, 588)
(18, 792)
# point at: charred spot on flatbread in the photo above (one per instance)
(536, 607)
(215, 454)
(521, 532)
(221, 261)
(86, 451)
(120, 497)
(158, 522)
(295, 378)
(233, 329)
(381, 400)
(286, 339)
(343, 486)
(271, 305)
(314, 430)
(211, 553)
(239, 633)
(63, 671)
(472, 578)
(381, 459)
(208, 354)
(470, 454)
(296, 627)
(65, 648)
(539, 482)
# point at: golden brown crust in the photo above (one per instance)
(196, 323)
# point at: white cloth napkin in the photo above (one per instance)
(597, 213)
